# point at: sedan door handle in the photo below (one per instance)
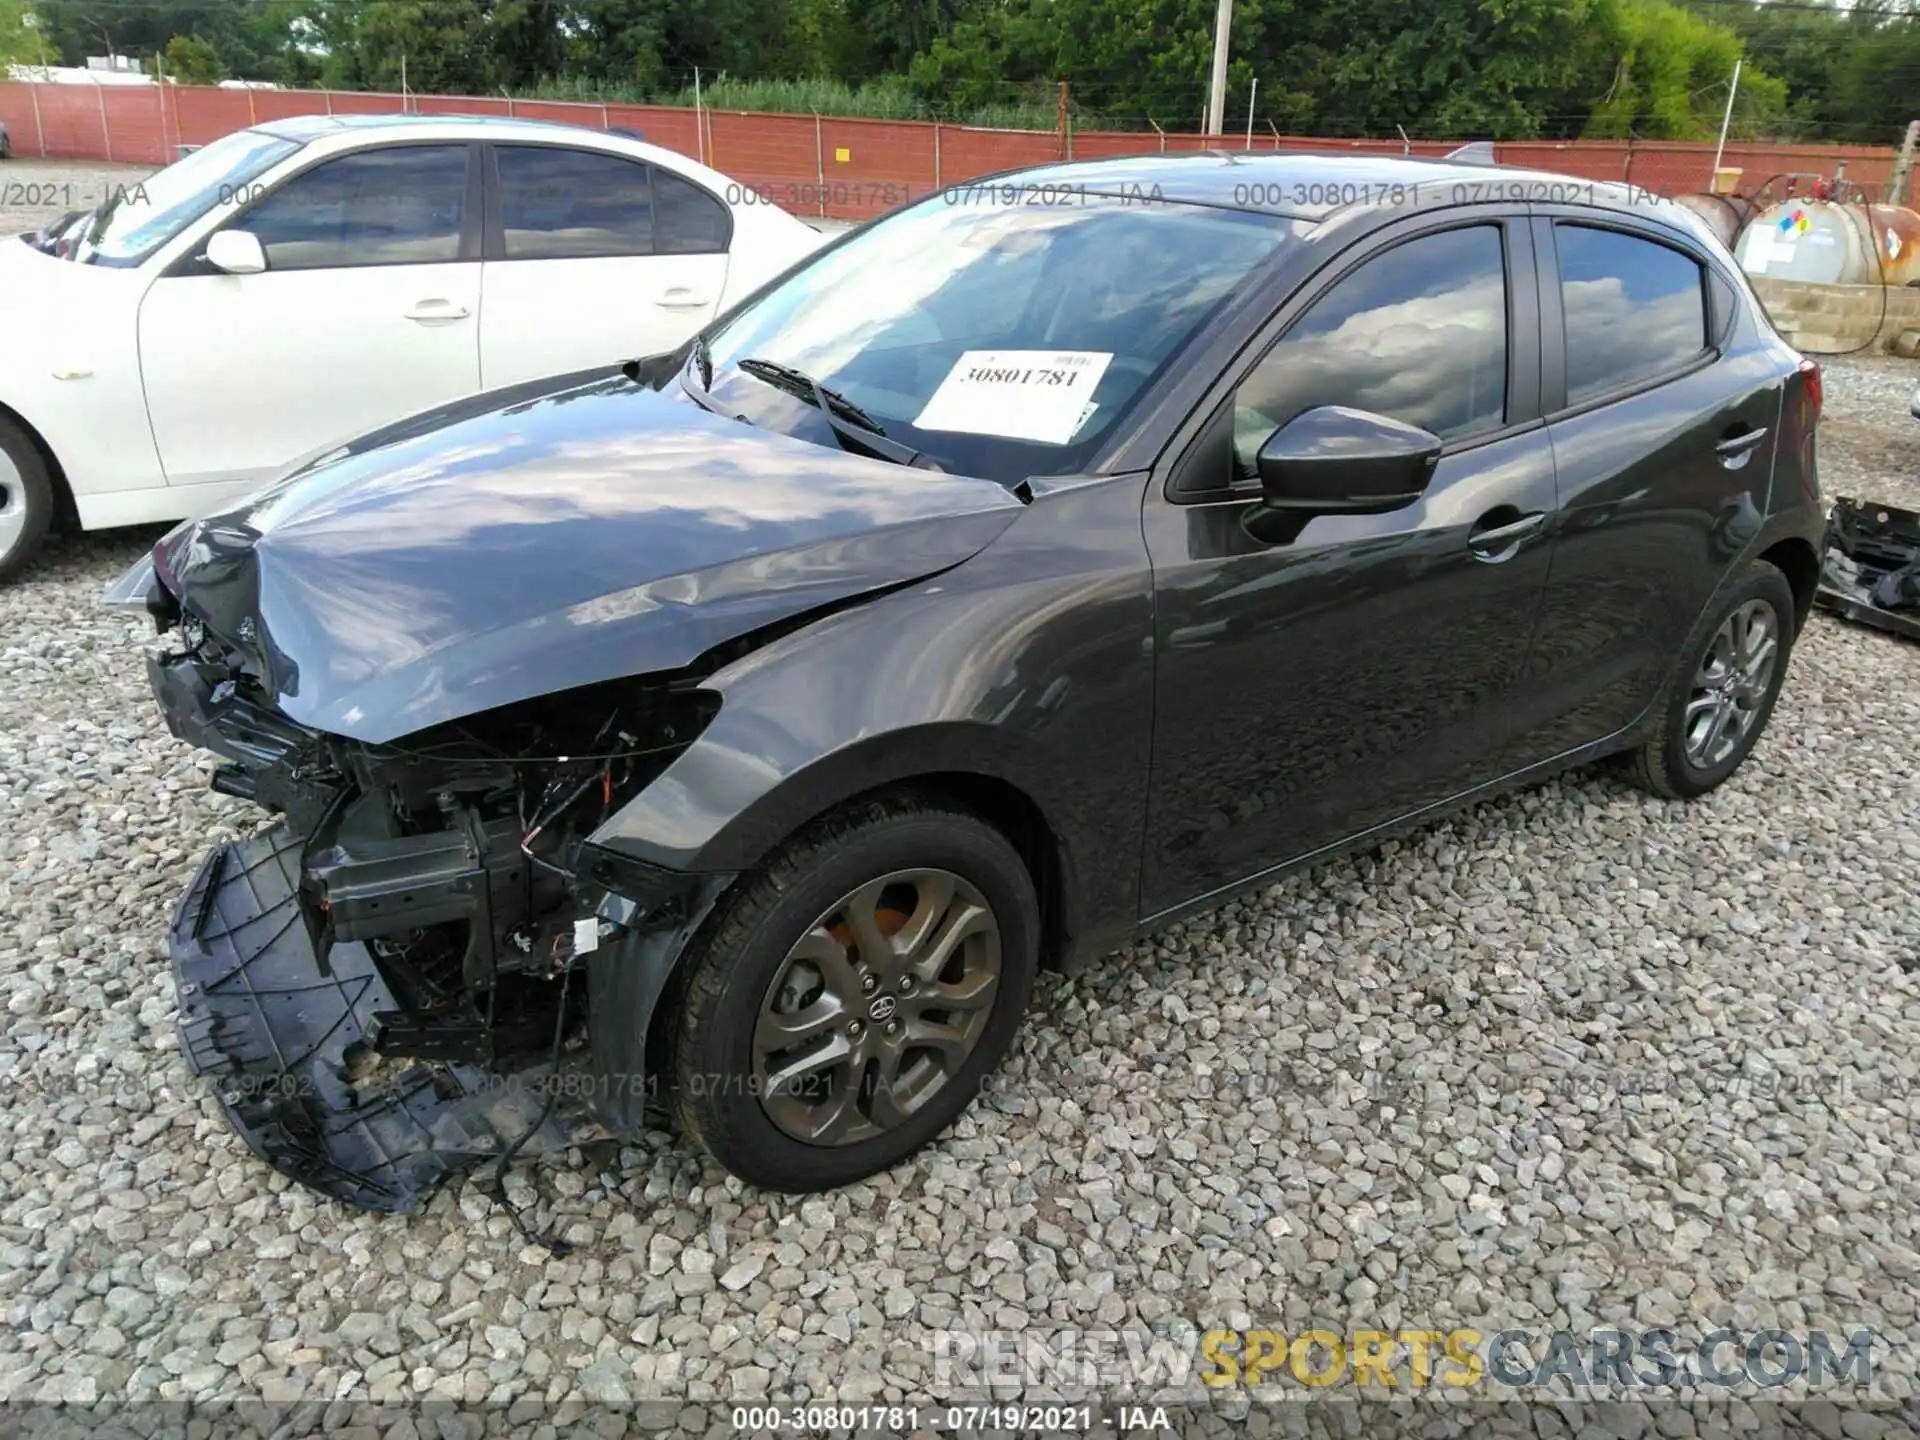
(427, 312)
(1498, 542)
(1734, 450)
(681, 298)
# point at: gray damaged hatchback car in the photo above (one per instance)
(1039, 564)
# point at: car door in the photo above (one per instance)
(1663, 414)
(593, 258)
(1312, 685)
(368, 310)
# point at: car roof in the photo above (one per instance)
(1307, 186)
(312, 127)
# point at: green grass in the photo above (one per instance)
(888, 98)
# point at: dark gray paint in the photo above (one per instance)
(548, 542)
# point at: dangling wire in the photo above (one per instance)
(560, 1248)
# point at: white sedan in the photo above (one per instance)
(305, 281)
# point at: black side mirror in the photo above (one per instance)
(1333, 460)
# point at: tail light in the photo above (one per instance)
(1811, 384)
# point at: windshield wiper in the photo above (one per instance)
(853, 427)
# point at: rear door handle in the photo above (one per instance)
(426, 312)
(1734, 450)
(681, 298)
(1498, 542)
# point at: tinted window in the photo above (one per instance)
(686, 219)
(1634, 309)
(1418, 332)
(571, 204)
(399, 206)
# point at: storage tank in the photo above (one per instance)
(1830, 243)
(1724, 214)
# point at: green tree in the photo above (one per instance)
(22, 40)
(1669, 74)
(192, 61)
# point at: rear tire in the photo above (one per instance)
(1718, 702)
(788, 1025)
(26, 499)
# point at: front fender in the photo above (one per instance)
(1030, 665)
(70, 370)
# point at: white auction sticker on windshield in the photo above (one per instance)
(1019, 394)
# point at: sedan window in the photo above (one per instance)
(686, 219)
(140, 217)
(1634, 309)
(1418, 333)
(560, 204)
(401, 205)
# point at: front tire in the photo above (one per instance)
(26, 500)
(1723, 689)
(851, 997)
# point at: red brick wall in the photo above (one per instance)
(796, 161)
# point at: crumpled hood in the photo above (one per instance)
(522, 543)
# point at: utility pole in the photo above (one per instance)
(1903, 167)
(1062, 140)
(1251, 97)
(1217, 94)
(1726, 120)
(699, 124)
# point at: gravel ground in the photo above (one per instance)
(1577, 1057)
(33, 192)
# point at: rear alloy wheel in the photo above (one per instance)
(852, 996)
(1734, 679)
(26, 500)
(1729, 677)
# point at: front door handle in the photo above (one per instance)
(1735, 449)
(427, 312)
(1496, 538)
(681, 298)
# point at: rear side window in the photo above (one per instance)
(573, 204)
(1635, 309)
(1418, 333)
(686, 219)
(395, 206)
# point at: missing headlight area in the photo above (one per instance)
(386, 986)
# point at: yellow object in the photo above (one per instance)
(842, 155)
(1726, 180)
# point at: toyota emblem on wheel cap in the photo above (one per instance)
(882, 1009)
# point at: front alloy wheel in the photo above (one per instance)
(847, 1000)
(26, 499)
(877, 1007)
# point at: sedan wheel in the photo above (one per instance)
(26, 500)
(877, 1007)
(849, 999)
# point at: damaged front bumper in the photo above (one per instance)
(392, 984)
(1870, 572)
(284, 1042)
